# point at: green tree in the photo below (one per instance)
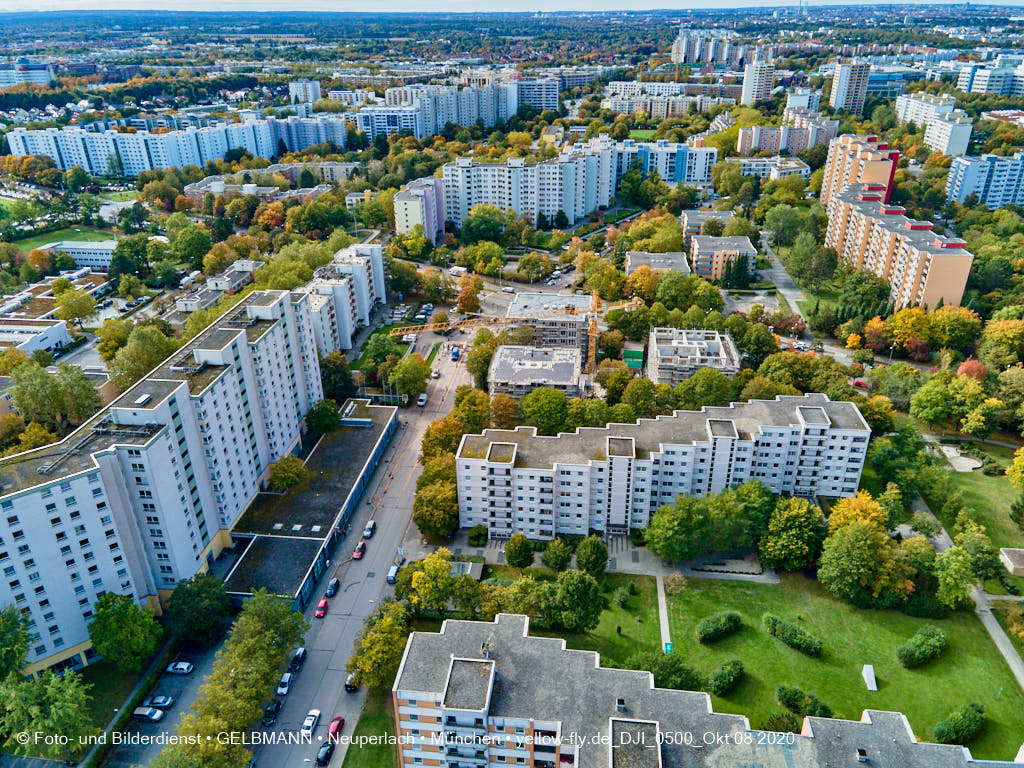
(955, 576)
(336, 377)
(707, 386)
(546, 409)
(14, 639)
(795, 532)
(410, 376)
(557, 555)
(111, 336)
(51, 704)
(483, 222)
(855, 561)
(592, 556)
(440, 437)
(198, 609)
(379, 647)
(286, 472)
(323, 417)
(579, 601)
(147, 347)
(504, 412)
(122, 632)
(519, 551)
(76, 305)
(435, 510)
(191, 244)
(474, 410)
(783, 221)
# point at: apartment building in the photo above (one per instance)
(637, 88)
(800, 130)
(129, 154)
(518, 370)
(758, 81)
(710, 256)
(421, 203)
(674, 261)
(354, 98)
(773, 168)
(663, 107)
(949, 134)
(675, 354)
(857, 160)
(922, 266)
(612, 479)
(693, 221)
(28, 335)
(25, 71)
(93, 255)
(994, 180)
(803, 98)
(303, 91)
(550, 330)
(919, 108)
(849, 86)
(480, 693)
(710, 46)
(538, 92)
(143, 494)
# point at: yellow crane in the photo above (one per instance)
(597, 307)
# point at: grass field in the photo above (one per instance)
(377, 719)
(971, 668)
(642, 134)
(120, 197)
(79, 233)
(990, 497)
(357, 364)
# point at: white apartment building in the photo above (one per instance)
(949, 134)
(919, 108)
(994, 180)
(800, 130)
(95, 255)
(675, 354)
(569, 330)
(711, 46)
(612, 479)
(849, 86)
(803, 98)
(774, 167)
(354, 98)
(28, 335)
(758, 81)
(661, 107)
(421, 203)
(304, 91)
(540, 93)
(25, 71)
(144, 493)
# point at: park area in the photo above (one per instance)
(79, 234)
(376, 721)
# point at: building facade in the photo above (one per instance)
(612, 479)
(800, 130)
(144, 493)
(304, 91)
(517, 370)
(949, 134)
(758, 81)
(849, 86)
(857, 160)
(421, 203)
(552, 331)
(773, 168)
(711, 256)
(922, 267)
(675, 354)
(994, 180)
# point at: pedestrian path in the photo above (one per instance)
(666, 634)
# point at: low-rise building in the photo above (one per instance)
(518, 370)
(774, 167)
(693, 221)
(197, 300)
(95, 255)
(709, 256)
(29, 335)
(240, 273)
(674, 260)
(515, 481)
(675, 354)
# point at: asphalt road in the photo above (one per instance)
(320, 684)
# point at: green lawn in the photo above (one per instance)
(642, 134)
(109, 689)
(377, 719)
(970, 670)
(990, 497)
(120, 197)
(80, 233)
(357, 364)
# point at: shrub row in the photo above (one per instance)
(800, 703)
(960, 726)
(792, 635)
(926, 644)
(726, 677)
(718, 626)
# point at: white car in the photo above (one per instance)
(180, 668)
(285, 685)
(309, 724)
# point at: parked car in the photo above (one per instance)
(508, 289)
(298, 659)
(392, 574)
(859, 383)
(435, 374)
(359, 551)
(148, 714)
(321, 608)
(332, 587)
(271, 712)
(369, 530)
(309, 724)
(421, 400)
(350, 683)
(324, 754)
(180, 668)
(157, 701)
(285, 684)
(334, 730)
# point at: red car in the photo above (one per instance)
(321, 608)
(859, 383)
(360, 550)
(334, 731)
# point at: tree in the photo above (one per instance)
(130, 286)
(639, 395)
(557, 555)
(796, 530)
(379, 647)
(14, 639)
(856, 561)
(469, 300)
(430, 586)
(985, 563)
(706, 386)
(34, 436)
(198, 609)
(323, 417)
(435, 510)
(51, 704)
(579, 601)
(473, 409)
(75, 306)
(286, 472)
(11, 358)
(440, 437)
(519, 551)
(545, 409)
(122, 632)
(402, 276)
(191, 244)
(954, 575)
(784, 223)
(860, 508)
(504, 412)
(336, 377)
(592, 556)
(410, 376)
(483, 222)
(112, 335)
(147, 347)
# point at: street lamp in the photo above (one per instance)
(892, 349)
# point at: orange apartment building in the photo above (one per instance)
(922, 266)
(857, 160)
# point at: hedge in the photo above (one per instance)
(961, 725)
(478, 536)
(800, 703)
(792, 635)
(718, 626)
(726, 677)
(926, 644)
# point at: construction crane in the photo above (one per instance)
(597, 307)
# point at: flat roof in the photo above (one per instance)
(709, 244)
(532, 304)
(274, 563)
(469, 684)
(525, 365)
(675, 260)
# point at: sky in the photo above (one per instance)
(411, 5)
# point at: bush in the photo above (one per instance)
(800, 703)
(718, 626)
(960, 726)
(619, 597)
(725, 678)
(478, 536)
(783, 722)
(926, 644)
(792, 635)
(636, 537)
(925, 607)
